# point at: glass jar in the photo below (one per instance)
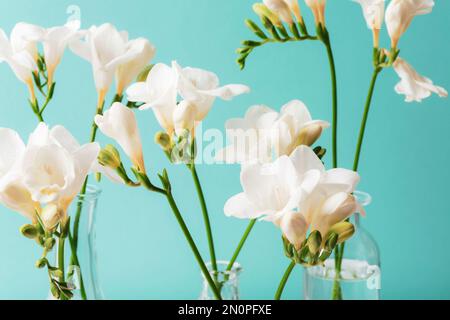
(227, 281)
(83, 276)
(360, 276)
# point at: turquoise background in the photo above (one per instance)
(142, 253)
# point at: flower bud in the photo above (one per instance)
(344, 231)
(262, 11)
(29, 231)
(280, 8)
(310, 134)
(164, 140)
(49, 243)
(51, 216)
(314, 242)
(184, 117)
(295, 8)
(110, 157)
(41, 263)
(332, 240)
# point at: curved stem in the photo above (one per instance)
(192, 244)
(241, 244)
(206, 219)
(365, 118)
(327, 43)
(284, 280)
(339, 253)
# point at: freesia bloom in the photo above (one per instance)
(318, 9)
(296, 193)
(143, 52)
(54, 168)
(281, 8)
(119, 123)
(373, 11)
(20, 52)
(107, 49)
(414, 86)
(48, 172)
(265, 133)
(158, 93)
(198, 88)
(400, 13)
(55, 41)
(13, 193)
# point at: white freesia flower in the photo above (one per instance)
(107, 49)
(318, 9)
(50, 170)
(198, 88)
(55, 41)
(414, 86)
(54, 168)
(158, 93)
(400, 13)
(143, 51)
(119, 123)
(13, 193)
(201, 88)
(265, 133)
(20, 52)
(296, 193)
(373, 11)
(281, 8)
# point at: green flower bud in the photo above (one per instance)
(344, 230)
(41, 263)
(110, 157)
(49, 243)
(142, 77)
(29, 231)
(262, 11)
(164, 140)
(255, 29)
(331, 242)
(314, 242)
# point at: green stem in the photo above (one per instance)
(327, 43)
(61, 267)
(241, 244)
(206, 219)
(284, 280)
(365, 118)
(76, 226)
(192, 244)
(339, 253)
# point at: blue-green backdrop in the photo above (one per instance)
(143, 255)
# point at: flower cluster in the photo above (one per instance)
(265, 133)
(399, 15)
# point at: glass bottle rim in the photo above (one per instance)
(222, 265)
(92, 193)
(363, 198)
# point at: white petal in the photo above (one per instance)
(304, 159)
(240, 207)
(12, 147)
(342, 177)
(227, 92)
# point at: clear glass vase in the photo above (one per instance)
(360, 276)
(83, 279)
(228, 281)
